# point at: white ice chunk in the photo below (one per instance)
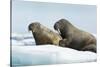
(29, 42)
(49, 54)
(17, 43)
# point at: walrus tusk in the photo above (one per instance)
(58, 31)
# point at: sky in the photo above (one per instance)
(26, 12)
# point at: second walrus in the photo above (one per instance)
(74, 37)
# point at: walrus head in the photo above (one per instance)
(59, 25)
(33, 26)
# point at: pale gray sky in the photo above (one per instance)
(25, 12)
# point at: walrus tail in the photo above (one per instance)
(91, 47)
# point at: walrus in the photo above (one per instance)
(43, 35)
(75, 38)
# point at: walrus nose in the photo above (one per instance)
(29, 28)
(55, 26)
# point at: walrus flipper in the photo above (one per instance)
(91, 47)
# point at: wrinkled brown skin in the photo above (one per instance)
(43, 35)
(74, 37)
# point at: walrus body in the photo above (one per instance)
(44, 35)
(74, 37)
